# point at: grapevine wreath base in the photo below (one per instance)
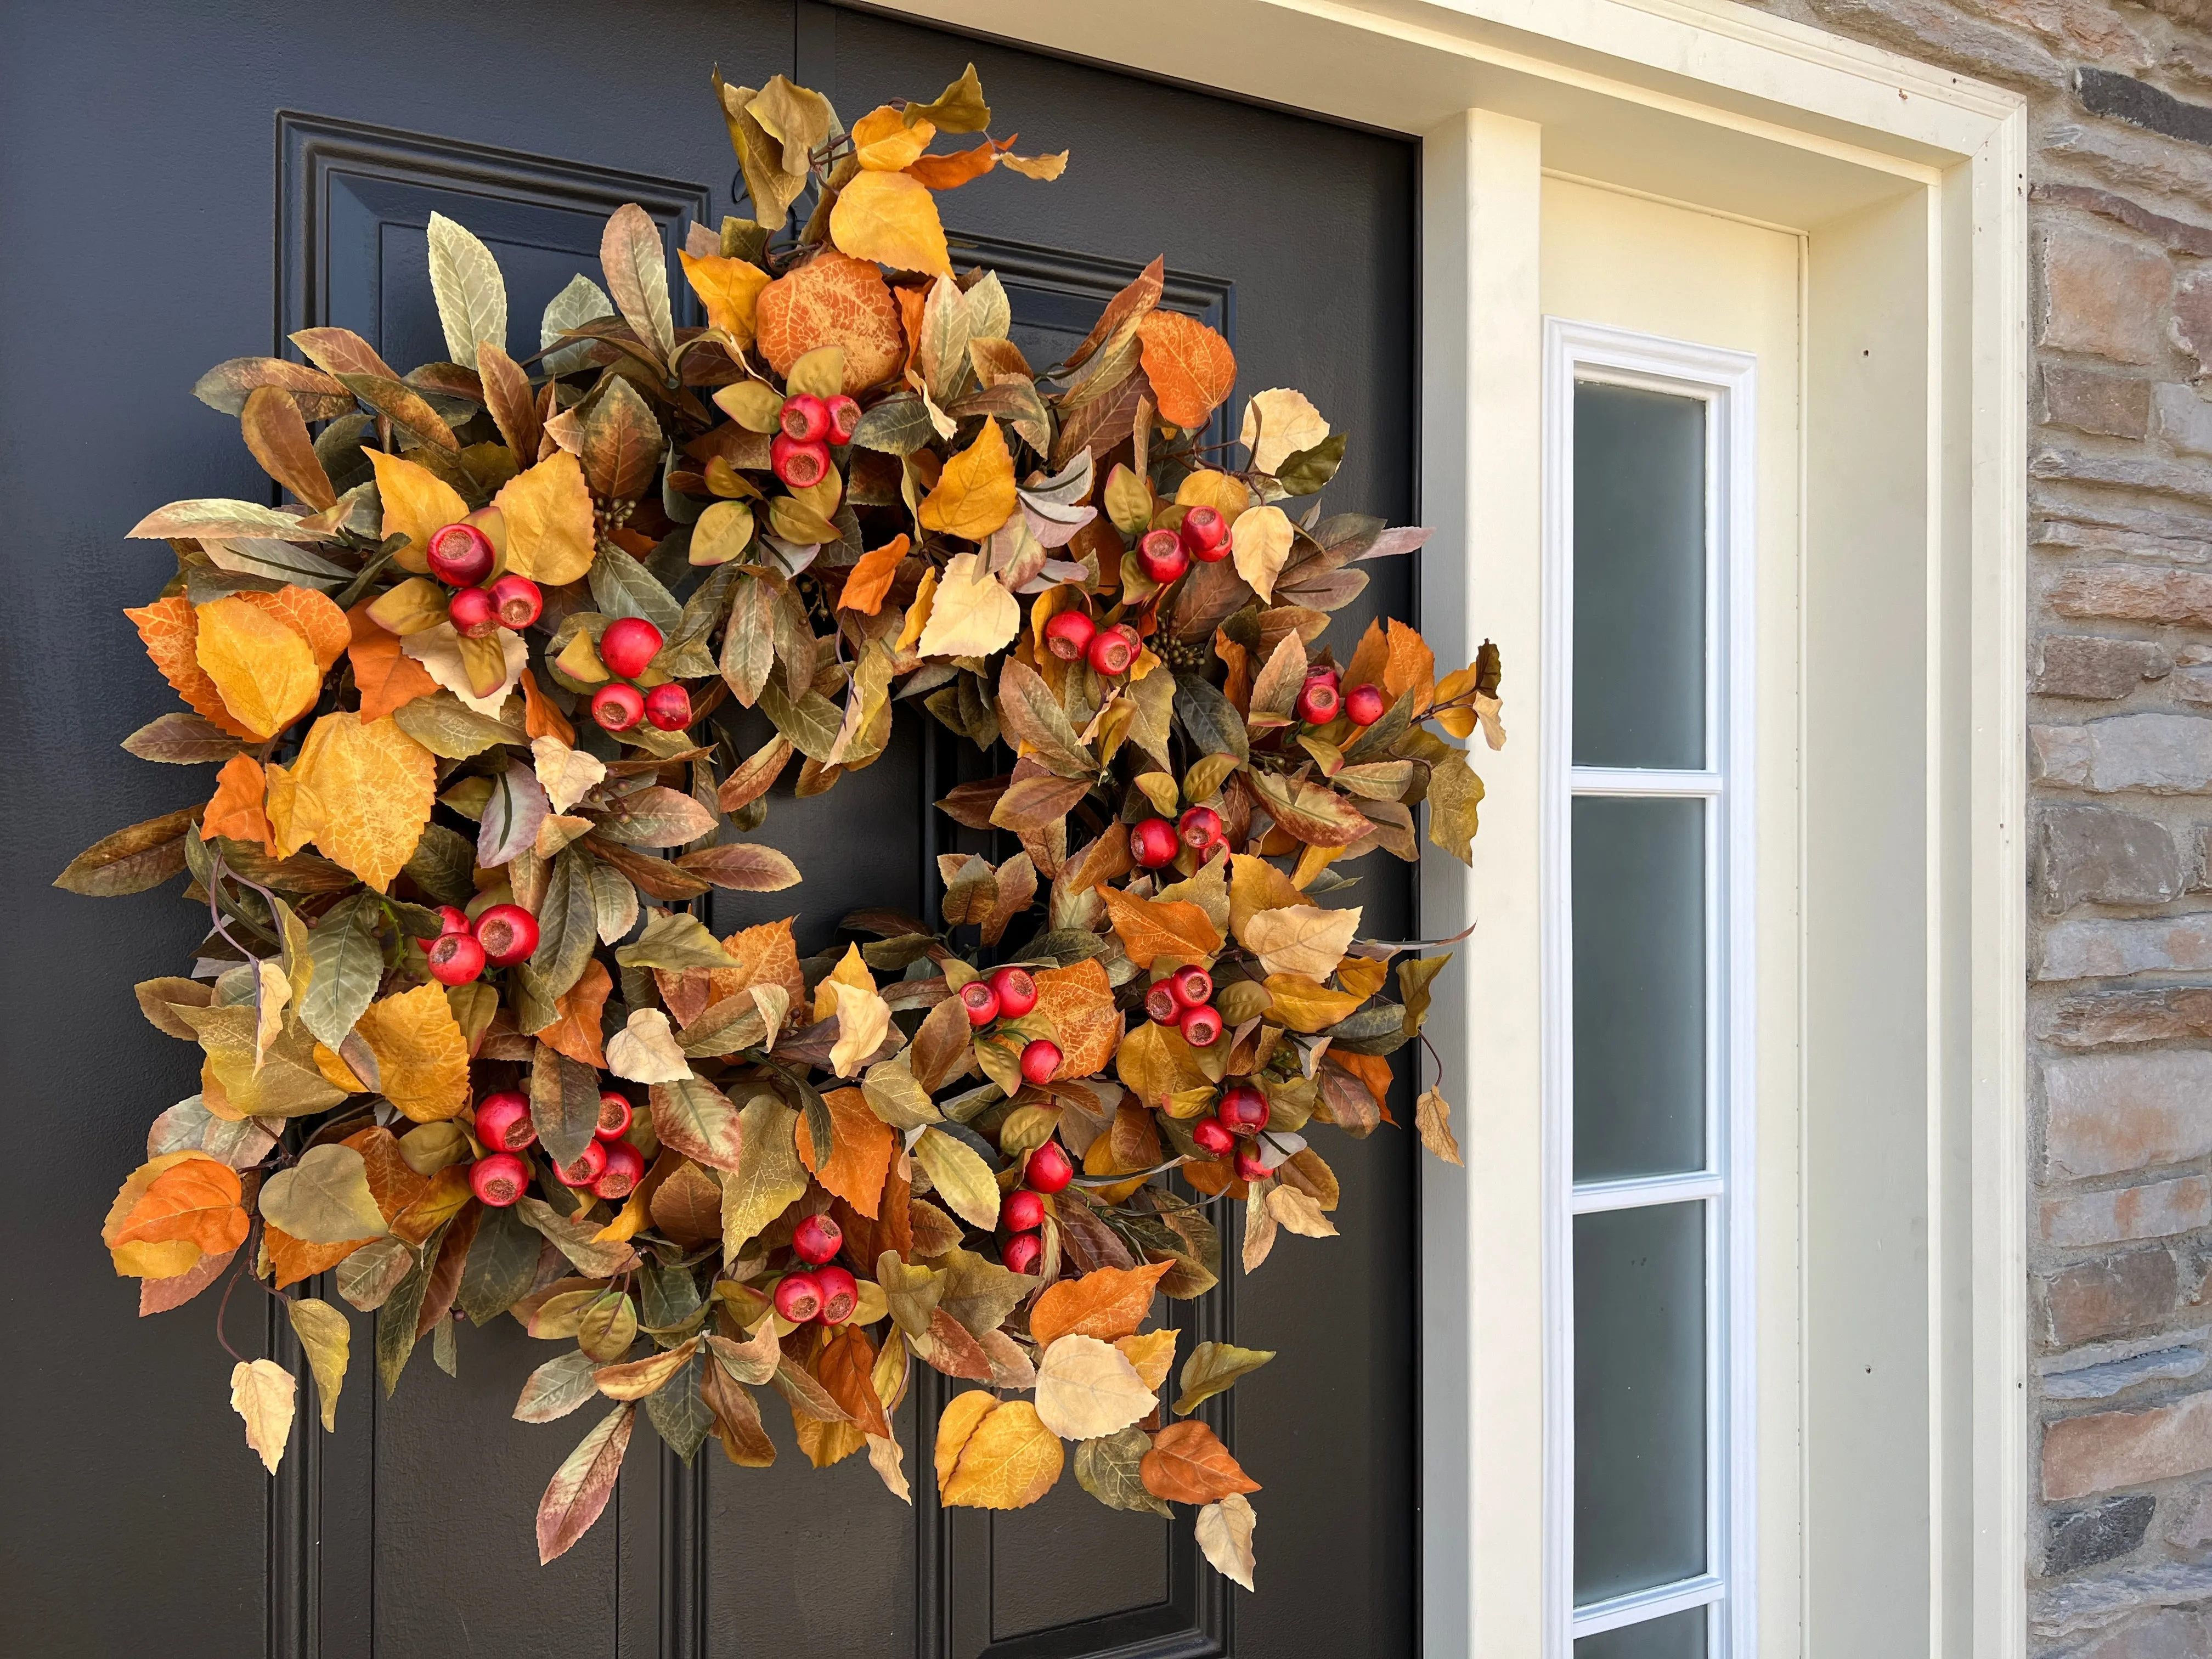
(466, 1050)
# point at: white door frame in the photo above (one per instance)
(1908, 182)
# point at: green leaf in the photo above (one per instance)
(582, 301)
(1454, 794)
(769, 1175)
(1305, 472)
(558, 1387)
(402, 1311)
(1214, 725)
(451, 730)
(471, 294)
(621, 586)
(812, 723)
(676, 940)
(442, 864)
(131, 860)
(501, 1265)
(324, 1199)
(749, 641)
(656, 817)
(1032, 714)
(223, 520)
(1109, 1468)
(368, 1278)
(1213, 1368)
(575, 1238)
(678, 1413)
(896, 426)
(566, 929)
(564, 1104)
(348, 964)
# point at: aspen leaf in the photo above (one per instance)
(182, 1198)
(962, 1178)
(235, 810)
(1087, 1388)
(360, 791)
(1300, 938)
(1225, 1533)
(1227, 496)
(263, 669)
(1108, 1469)
(1214, 1367)
(1150, 930)
(1007, 1461)
(1153, 1353)
(1079, 1004)
(860, 1156)
(170, 630)
(1190, 366)
(263, 1393)
(833, 299)
(730, 289)
(1277, 423)
(883, 142)
(1156, 1063)
(416, 503)
(548, 509)
(1261, 541)
(325, 1336)
(421, 1056)
(568, 775)
(1188, 1464)
(973, 495)
(960, 167)
(645, 1051)
(1106, 1303)
(955, 1425)
(870, 580)
(971, 614)
(1432, 1119)
(863, 1020)
(891, 219)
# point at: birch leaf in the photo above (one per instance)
(325, 1336)
(1300, 938)
(263, 1392)
(1087, 1388)
(1225, 1533)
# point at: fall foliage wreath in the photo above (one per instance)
(466, 1050)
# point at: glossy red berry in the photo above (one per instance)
(799, 1298)
(460, 554)
(1212, 1136)
(499, 1179)
(844, 419)
(841, 1294)
(817, 1238)
(1040, 1060)
(1200, 828)
(1317, 702)
(1068, 634)
(591, 1164)
(668, 707)
(615, 1115)
(455, 959)
(1018, 991)
(1153, 843)
(617, 706)
(1022, 1252)
(1243, 1110)
(473, 613)
(1205, 534)
(451, 919)
(981, 1001)
(508, 934)
(625, 1168)
(1161, 1006)
(1364, 705)
(1193, 986)
(1201, 1027)
(1251, 1165)
(805, 418)
(503, 1121)
(628, 645)
(518, 600)
(1022, 1211)
(1049, 1170)
(1326, 675)
(1111, 651)
(1162, 555)
(799, 465)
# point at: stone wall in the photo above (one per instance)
(2119, 888)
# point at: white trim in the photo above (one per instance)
(1588, 1197)
(1639, 781)
(1647, 1605)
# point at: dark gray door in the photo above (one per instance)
(188, 181)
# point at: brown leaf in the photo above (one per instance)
(581, 1487)
(1188, 1464)
(1150, 930)
(1109, 1303)
(131, 860)
(687, 1205)
(278, 439)
(1432, 1118)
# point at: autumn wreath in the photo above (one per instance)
(465, 1049)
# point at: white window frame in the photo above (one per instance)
(1725, 381)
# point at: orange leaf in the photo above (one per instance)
(1109, 1303)
(729, 288)
(294, 1259)
(862, 1156)
(832, 301)
(576, 1032)
(1369, 660)
(541, 719)
(263, 667)
(171, 630)
(844, 1368)
(870, 578)
(1080, 1005)
(950, 172)
(890, 218)
(1150, 929)
(196, 1200)
(974, 494)
(235, 811)
(1190, 366)
(1188, 1464)
(360, 790)
(388, 678)
(313, 616)
(1410, 666)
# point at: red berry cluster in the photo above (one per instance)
(502, 936)
(461, 555)
(1154, 843)
(1164, 554)
(1184, 999)
(609, 1165)
(800, 454)
(1009, 993)
(1238, 1117)
(1048, 1171)
(1320, 702)
(820, 1289)
(1072, 637)
(628, 648)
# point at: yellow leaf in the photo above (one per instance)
(1432, 1118)
(417, 503)
(548, 510)
(891, 219)
(1255, 885)
(963, 1179)
(1153, 1353)
(729, 288)
(273, 993)
(1156, 1062)
(421, 1056)
(1305, 1005)
(974, 495)
(1150, 929)
(1279, 422)
(1226, 495)
(261, 1392)
(883, 142)
(918, 613)
(1008, 1461)
(325, 1337)
(851, 970)
(1260, 540)
(1038, 166)
(970, 614)
(768, 1175)
(265, 671)
(310, 615)
(363, 793)
(1087, 1388)
(1300, 938)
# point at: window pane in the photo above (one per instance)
(1640, 646)
(1678, 1636)
(1639, 1398)
(1638, 875)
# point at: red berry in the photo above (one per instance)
(1205, 534)
(617, 706)
(591, 1164)
(805, 418)
(1111, 651)
(628, 645)
(1243, 1110)
(1068, 634)
(817, 1239)
(1250, 1166)
(615, 1115)
(1193, 986)
(451, 919)
(1162, 555)
(455, 959)
(499, 1179)
(1364, 705)
(799, 465)
(503, 1121)
(1201, 1027)
(1022, 1211)
(668, 707)
(1212, 1136)
(1200, 828)
(1161, 1006)
(1324, 673)
(1152, 844)
(841, 1294)
(508, 934)
(799, 1298)
(1317, 703)
(1040, 1060)
(1021, 1254)
(1049, 1169)
(981, 1001)
(473, 613)
(1018, 991)
(460, 554)
(625, 1168)
(844, 419)
(518, 601)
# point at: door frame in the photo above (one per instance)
(1907, 183)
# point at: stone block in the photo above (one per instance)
(2184, 420)
(2156, 1209)
(2129, 470)
(2103, 1299)
(2192, 318)
(2088, 665)
(2105, 1114)
(2103, 295)
(2164, 1015)
(2076, 1538)
(2189, 1518)
(2104, 1451)
(2134, 592)
(2168, 1633)
(2099, 948)
(2160, 754)
(2113, 405)
(2099, 1604)
(2113, 1376)
(2092, 855)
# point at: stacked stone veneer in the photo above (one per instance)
(2119, 887)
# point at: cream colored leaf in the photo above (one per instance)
(262, 1392)
(1225, 1533)
(439, 650)
(1261, 538)
(1279, 422)
(470, 292)
(1432, 1119)
(1300, 938)
(1299, 1211)
(889, 1462)
(971, 614)
(646, 1050)
(325, 1337)
(863, 1020)
(1087, 1388)
(1258, 1226)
